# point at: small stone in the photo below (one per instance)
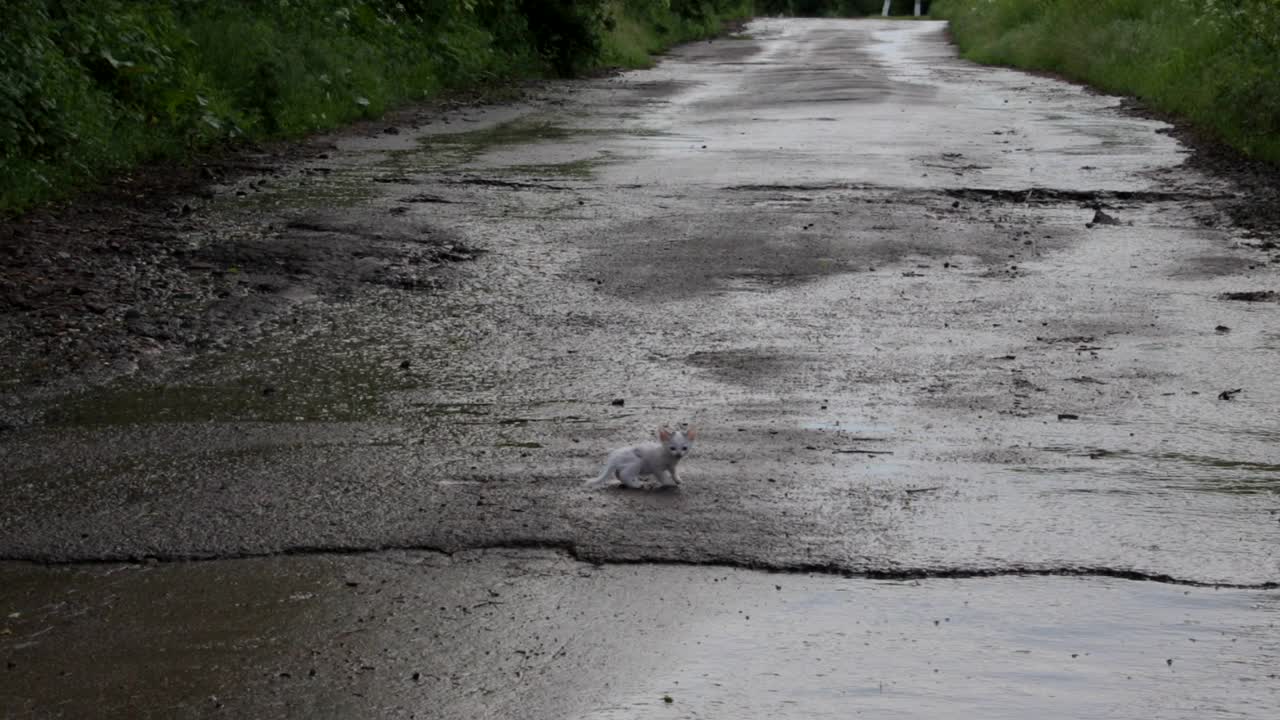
(1101, 218)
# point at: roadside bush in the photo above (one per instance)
(1214, 62)
(87, 86)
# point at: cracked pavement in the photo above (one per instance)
(935, 323)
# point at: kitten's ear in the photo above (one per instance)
(664, 434)
(691, 433)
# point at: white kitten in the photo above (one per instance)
(651, 458)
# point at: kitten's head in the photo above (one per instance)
(677, 443)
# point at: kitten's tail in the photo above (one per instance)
(604, 477)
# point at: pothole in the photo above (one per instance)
(1251, 296)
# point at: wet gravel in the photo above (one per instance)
(144, 271)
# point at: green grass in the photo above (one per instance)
(638, 31)
(1213, 62)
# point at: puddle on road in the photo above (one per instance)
(248, 398)
(313, 187)
(448, 149)
(580, 169)
(535, 634)
(309, 386)
(545, 148)
(353, 369)
(522, 131)
(347, 185)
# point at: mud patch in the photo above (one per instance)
(1208, 266)
(331, 251)
(748, 366)
(758, 248)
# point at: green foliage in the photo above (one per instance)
(77, 93)
(89, 87)
(636, 29)
(1215, 62)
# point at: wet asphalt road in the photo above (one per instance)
(872, 275)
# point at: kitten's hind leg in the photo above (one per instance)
(629, 474)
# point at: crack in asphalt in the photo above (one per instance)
(1030, 194)
(495, 182)
(573, 551)
(1020, 195)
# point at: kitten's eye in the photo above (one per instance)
(685, 448)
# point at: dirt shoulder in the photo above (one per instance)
(110, 282)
